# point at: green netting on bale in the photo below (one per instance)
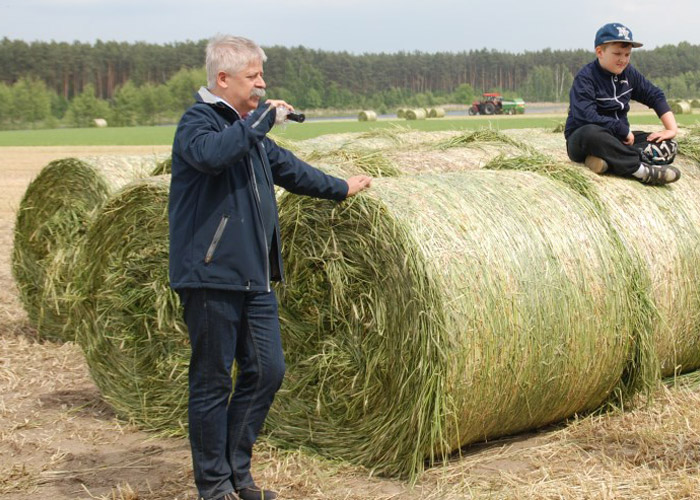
(128, 320)
(445, 309)
(51, 221)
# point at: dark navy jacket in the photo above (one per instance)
(602, 98)
(217, 237)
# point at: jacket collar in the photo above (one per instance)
(605, 72)
(207, 97)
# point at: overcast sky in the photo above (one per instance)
(356, 26)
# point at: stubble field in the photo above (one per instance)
(58, 440)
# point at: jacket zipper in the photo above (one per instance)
(262, 222)
(622, 106)
(217, 237)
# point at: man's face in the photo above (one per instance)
(614, 57)
(237, 89)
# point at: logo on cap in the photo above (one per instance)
(623, 32)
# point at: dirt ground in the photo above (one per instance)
(58, 440)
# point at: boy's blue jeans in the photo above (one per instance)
(226, 325)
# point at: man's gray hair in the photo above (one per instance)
(230, 54)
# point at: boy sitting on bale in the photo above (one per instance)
(597, 130)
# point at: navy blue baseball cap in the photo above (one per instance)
(615, 32)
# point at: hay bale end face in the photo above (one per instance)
(436, 113)
(127, 318)
(416, 114)
(51, 220)
(681, 108)
(407, 339)
(367, 116)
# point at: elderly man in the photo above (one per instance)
(224, 250)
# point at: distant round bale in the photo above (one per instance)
(367, 116)
(401, 113)
(681, 108)
(416, 114)
(436, 113)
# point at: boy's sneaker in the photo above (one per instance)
(255, 493)
(597, 165)
(657, 175)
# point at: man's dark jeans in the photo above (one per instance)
(223, 326)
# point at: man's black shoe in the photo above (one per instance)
(255, 493)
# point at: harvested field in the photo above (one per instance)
(59, 441)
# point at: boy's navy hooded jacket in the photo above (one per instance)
(602, 98)
(222, 202)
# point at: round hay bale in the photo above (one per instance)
(367, 116)
(346, 162)
(401, 113)
(681, 108)
(695, 103)
(416, 114)
(436, 113)
(284, 143)
(164, 167)
(689, 145)
(660, 228)
(407, 338)
(51, 220)
(128, 319)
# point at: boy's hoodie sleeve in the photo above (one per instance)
(647, 93)
(582, 101)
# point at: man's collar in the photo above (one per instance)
(208, 97)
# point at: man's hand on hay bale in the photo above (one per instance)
(358, 183)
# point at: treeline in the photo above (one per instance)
(139, 83)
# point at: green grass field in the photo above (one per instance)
(125, 136)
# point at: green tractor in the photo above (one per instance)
(494, 104)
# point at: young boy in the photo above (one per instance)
(597, 130)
